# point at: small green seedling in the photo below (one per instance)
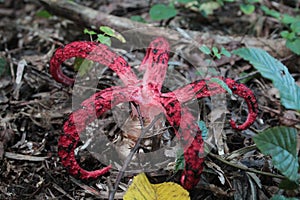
(214, 51)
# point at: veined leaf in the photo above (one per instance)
(142, 189)
(274, 70)
(280, 143)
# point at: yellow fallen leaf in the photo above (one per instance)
(142, 189)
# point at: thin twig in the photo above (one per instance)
(139, 115)
(132, 152)
(250, 75)
(245, 168)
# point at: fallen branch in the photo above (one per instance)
(88, 17)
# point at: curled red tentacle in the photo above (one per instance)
(242, 91)
(66, 146)
(91, 51)
(207, 88)
(90, 109)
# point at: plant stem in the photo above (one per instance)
(245, 168)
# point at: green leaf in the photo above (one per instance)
(216, 53)
(222, 84)
(185, 1)
(295, 26)
(104, 39)
(286, 184)
(209, 7)
(274, 70)
(83, 66)
(203, 128)
(253, 1)
(281, 144)
(3, 64)
(280, 197)
(215, 50)
(43, 14)
(120, 37)
(225, 52)
(138, 18)
(247, 8)
(161, 11)
(294, 45)
(204, 49)
(284, 18)
(272, 13)
(110, 32)
(288, 35)
(179, 160)
(288, 19)
(107, 30)
(90, 32)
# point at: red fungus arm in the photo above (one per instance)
(92, 51)
(155, 64)
(90, 109)
(206, 88)
(190, 136)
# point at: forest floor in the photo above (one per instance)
(34, 107)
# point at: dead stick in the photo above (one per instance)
(89, 17)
